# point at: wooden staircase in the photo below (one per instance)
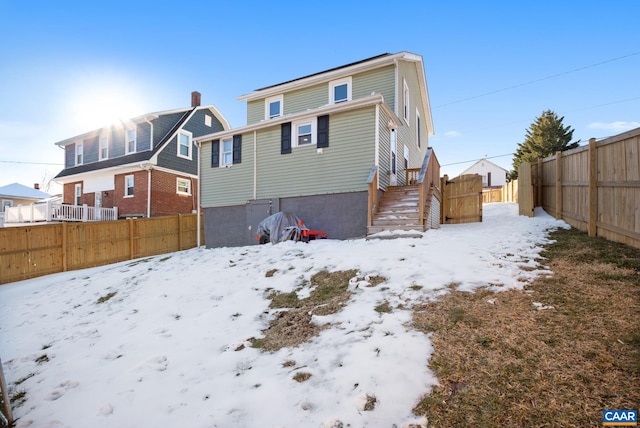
(397, 210)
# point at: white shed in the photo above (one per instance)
(492, 175)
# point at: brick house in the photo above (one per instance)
(145, 166)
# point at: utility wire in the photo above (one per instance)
(539, 80)
(31, 163)
(475, 160)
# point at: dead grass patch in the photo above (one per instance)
(502, 362)
(301, 376)
(293, 325)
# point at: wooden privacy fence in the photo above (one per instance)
(507, 193)
(31, 251)
(594, 188)
(461, 199)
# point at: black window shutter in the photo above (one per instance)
(215, 153)
(323, 131)
(237, 148)
(285, 141)
(393, 162)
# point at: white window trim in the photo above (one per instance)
(77, 195)
(313, 121)
(406, 99)
(6, 203)
(348, 81)
(208, 120)
(187, 184)
(418, 134)
(126, 195)
(223, 164)
(267, 105)
(135, 140)
(190, 144)
(104, 139)
(79, 154)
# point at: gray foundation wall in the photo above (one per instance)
(341, 215)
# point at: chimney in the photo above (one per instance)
(195, 99)
(36, 186)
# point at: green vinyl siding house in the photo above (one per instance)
(312, 145)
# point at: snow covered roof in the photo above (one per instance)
(17, 190)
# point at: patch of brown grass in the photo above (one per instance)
(293, 325)
(502, 362)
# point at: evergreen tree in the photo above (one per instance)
(544, 138)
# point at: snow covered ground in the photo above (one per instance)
(163, 350)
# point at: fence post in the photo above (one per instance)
(65, 231)
(539, 199)
(5, 397)
(593, 190)
(179, 232)
(130, 223)
(558, 185)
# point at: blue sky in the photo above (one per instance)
(492, 67)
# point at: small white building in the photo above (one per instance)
(492, 175)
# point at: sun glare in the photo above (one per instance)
(101, 106)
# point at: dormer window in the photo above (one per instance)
(273, 107)
(340, 90)
(104, 148)
(131, 141)
(79, 153)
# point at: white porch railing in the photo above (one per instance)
(55, 212)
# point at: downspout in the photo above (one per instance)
(197, 143)
(377, 142)
(255, 165)
(148, 167)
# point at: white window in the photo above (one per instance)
(304, 132)
(79, 153)
(273, 107)
(183, 186)
(406, 100)
(184, 144)
(104, 148)
(131, 141)
(340, 90)
(128, 186)
(77, 197)
(418, 133)
(227, 152)
(207, 120)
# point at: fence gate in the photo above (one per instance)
(461, 199)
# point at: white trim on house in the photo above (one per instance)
(267, 106)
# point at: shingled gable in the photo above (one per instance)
(133, 157)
